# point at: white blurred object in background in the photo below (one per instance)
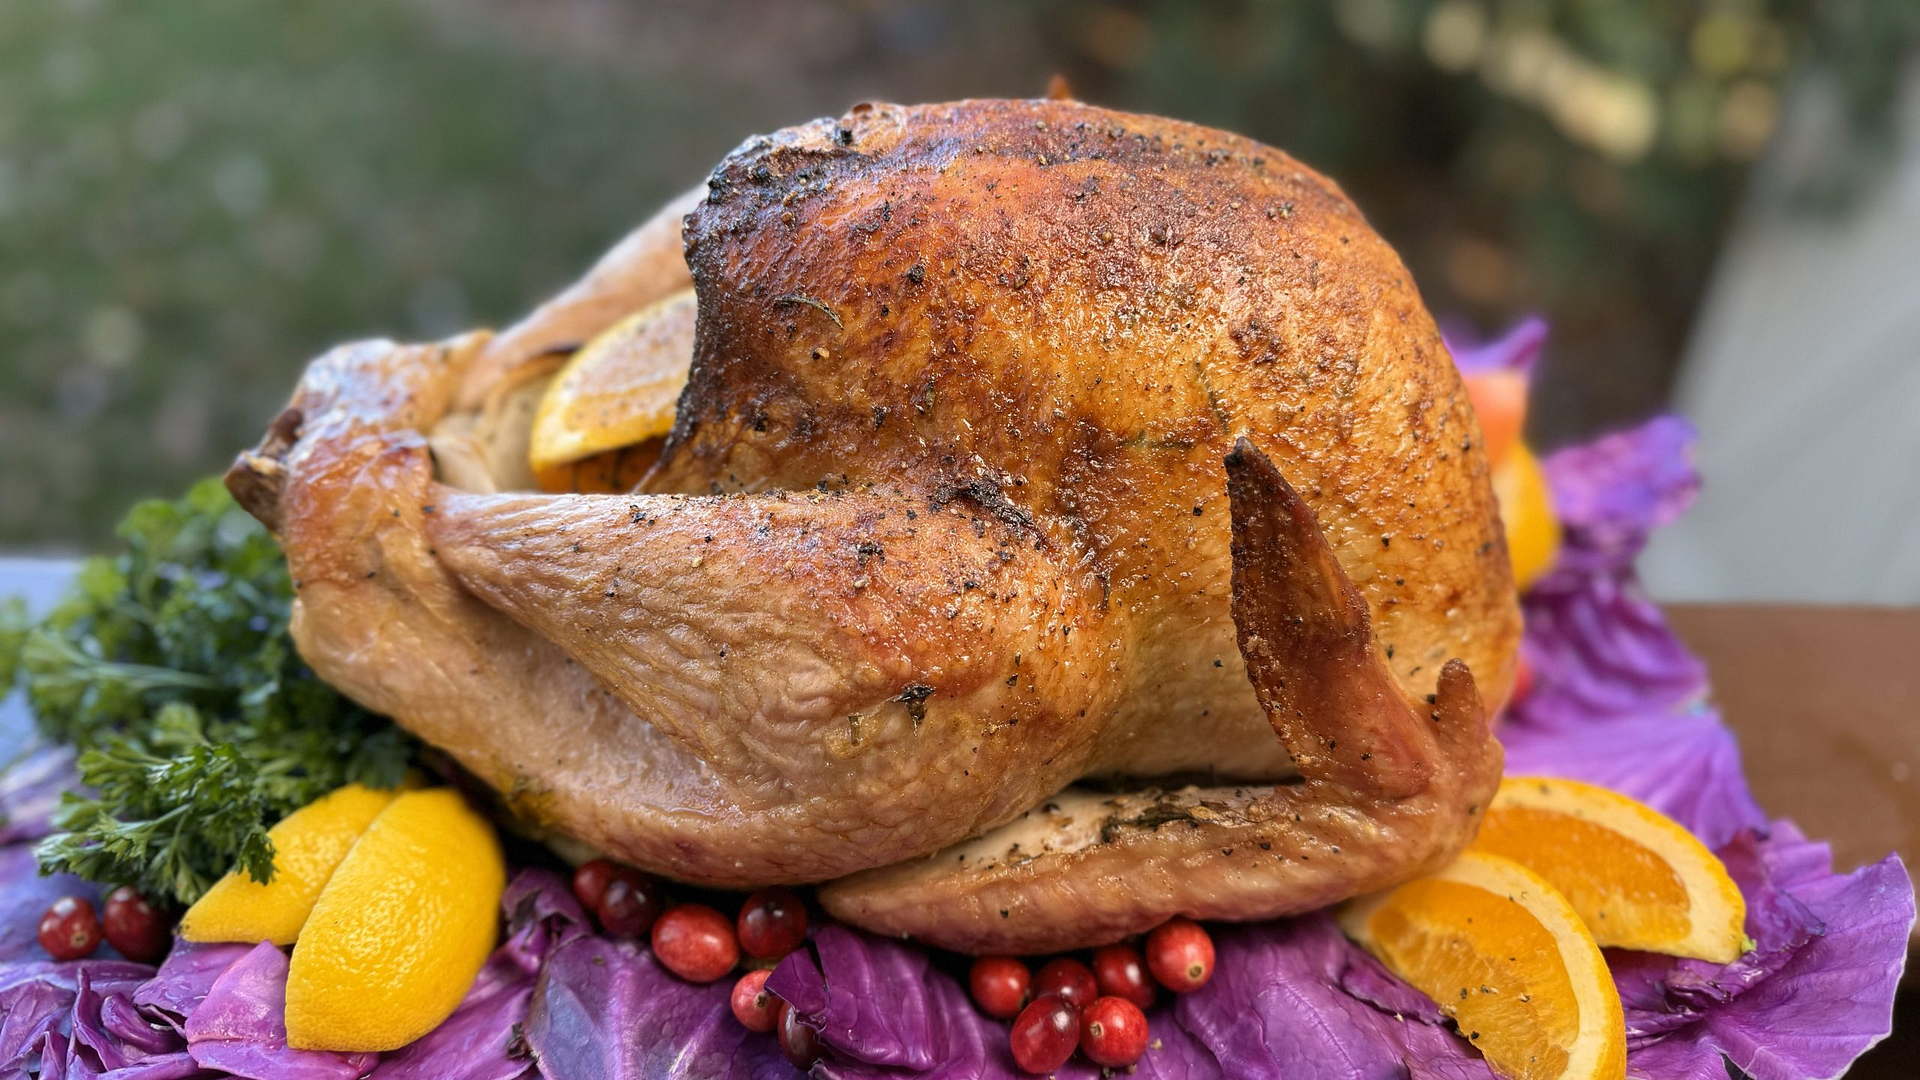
(1804, 378)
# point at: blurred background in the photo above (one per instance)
(1716, 203)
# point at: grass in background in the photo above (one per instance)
(194, 198)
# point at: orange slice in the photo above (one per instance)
(1526, 509)
(1507, 958)
(1638, 879)
(619, 389)
(606, 473)
(1500, 402)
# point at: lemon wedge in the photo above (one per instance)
(1638, 879)
(1506, 956)
(400, 931)
(619, 389)
(307, 845)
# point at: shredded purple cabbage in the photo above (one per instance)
(1811, 996)
(1686, 765)
(484, 1039)
(240, 1027)
(30, 787)
(1618, 701)
(1516, 350)
(604, 1010)
(185, 979)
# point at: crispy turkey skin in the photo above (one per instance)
(1023, 442)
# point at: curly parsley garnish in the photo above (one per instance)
(170, 669)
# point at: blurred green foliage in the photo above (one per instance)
(1581, 158)
(196, 197)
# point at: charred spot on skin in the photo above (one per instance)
(914, 697)
(985, 494)
(1151, 819)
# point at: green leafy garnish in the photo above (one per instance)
(170, 669)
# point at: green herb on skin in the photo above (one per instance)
(170, 669)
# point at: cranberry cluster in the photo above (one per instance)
(141, 932)
(699, 944)
(1099, 1009)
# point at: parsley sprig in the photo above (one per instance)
(170, 669)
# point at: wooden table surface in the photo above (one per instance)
(1826, 702)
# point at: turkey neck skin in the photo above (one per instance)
(1066, 316)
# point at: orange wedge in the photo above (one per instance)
(1500, 402)
(608, 472)
(1526, 508)
(619, 389)
(1638, 879)
(1507, 957)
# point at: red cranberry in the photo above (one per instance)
(1119, 972)
(590, 882)
(1067, 978)
(800, 1043)
(1180, 955)
(753, 1005)
(630, 903)
(1000, 985)
(139, 930)
(695, 942)
(1044, 1034)
(1113, 1032)
(773, 923)
(68, 931)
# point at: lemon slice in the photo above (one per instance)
(1507, 958)
(307, 845)
(619, 389)
(1637, 878)
(1526, 509)
(401, 931)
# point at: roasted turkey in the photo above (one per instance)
(1071, 519)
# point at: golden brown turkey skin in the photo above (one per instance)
(1081, 310)
(944, 523)
(1390, 785)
